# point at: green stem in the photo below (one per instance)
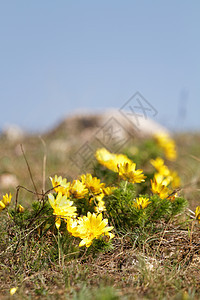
(125, 185)
(60, 256)
(9, 214)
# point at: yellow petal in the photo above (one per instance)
(2, 205)
(82, 243)
(51, 200)
(58, 223)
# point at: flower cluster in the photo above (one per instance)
(120, 163)
(86, 187)
(167, 144)
(165, 180)
(86, 204)
(131, 205)
(111, 160)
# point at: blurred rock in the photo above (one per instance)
(86, 126)
(8, 180)
(59, 145)
(136, 126)
(13, 133)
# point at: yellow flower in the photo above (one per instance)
(171, 177)
(20, 208)
(5, 201)
(62, 207)
(175, 180)
(170, 151)
(167, 144)
(121, 159)
(100, 207)
(13, 290)
(109, 190)
(60, 185)
(159, 165)
(128, 172)
(111, 160)
(99, 203)
(141, 202)
(93, 184)
(103, 156)
(165, 180)
(99, 197)
(93, 227)
(72, 226)
(89, 227)
(159, 186)
(78, 189)
(197, 213)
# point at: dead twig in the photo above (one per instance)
(29, 169)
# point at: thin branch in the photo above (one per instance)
(29, 170)
(44, 164)
(194, 157)
(16, 198)
(32, 192)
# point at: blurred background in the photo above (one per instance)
(59, 57)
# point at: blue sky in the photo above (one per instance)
(61, 56)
